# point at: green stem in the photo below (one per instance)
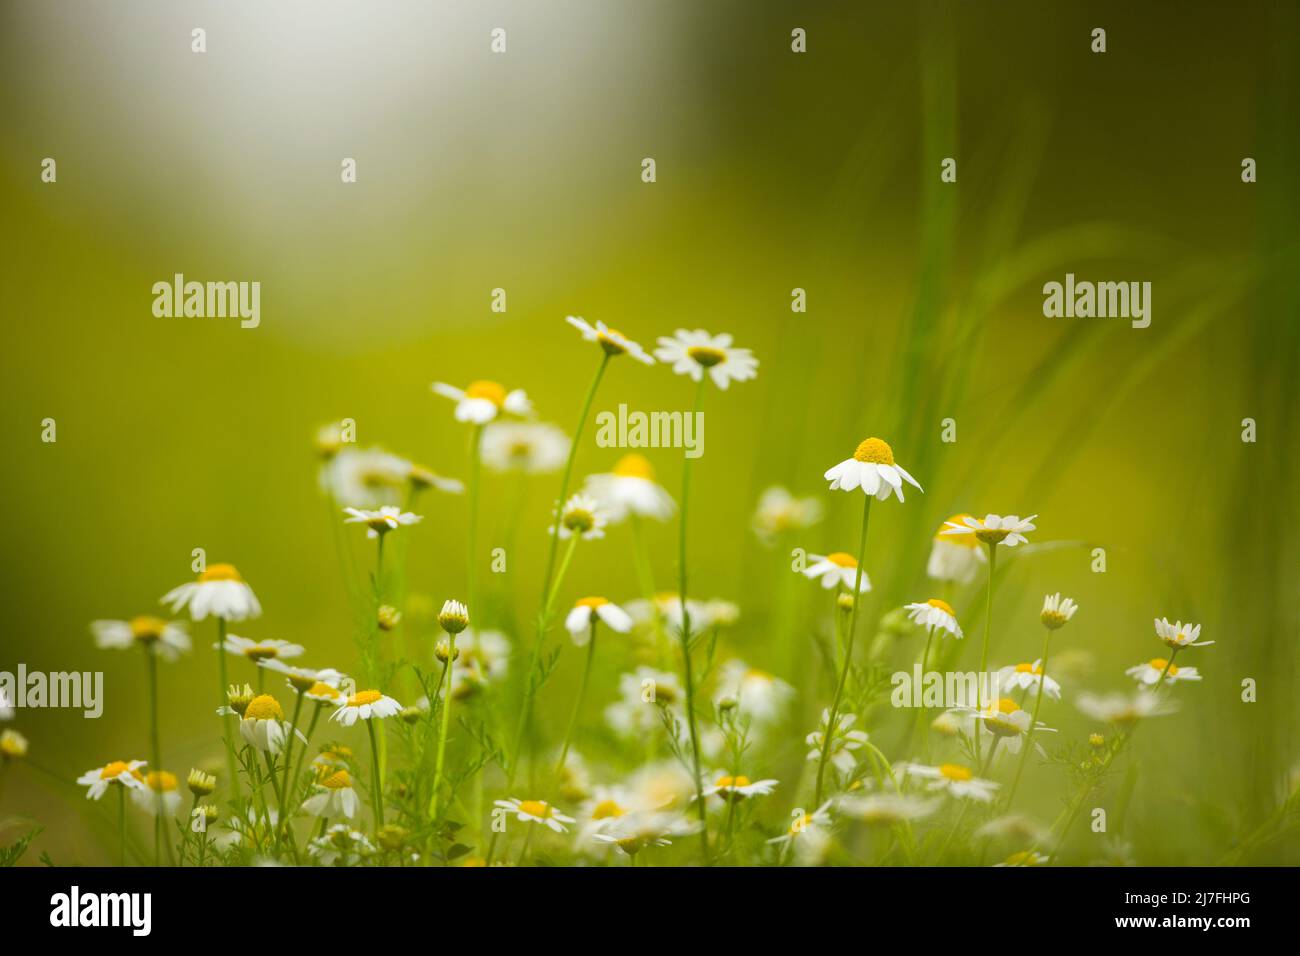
(984, 651)
(471, 573)
(1033, 723)
(577, 703)
(376, 781)
(155, 749)
(231, 766)
(834, 713)
(442, 731)
(121, 823)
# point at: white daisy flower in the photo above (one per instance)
(1025, 676)
(481, 402)
(836, 569)
(484, 659)
(366, 478)
(581, 515)
(579, 622)
(697, 352)
(667, 607)
(1024, 858)
(340, 845)
(993, 529)
(536, 811)
(645, 695)
(259, 651)
(1149, 673)
(334, 797)
(1057, 611)
(954, 558)
(159, 786)
(738, 787)
(302, 679)
(806, 824)
(885, 809)
(633, 832)
(6, 706)
(951, 778)
(386, 519)
(263, 726)
(761, 696)
(873, 469)
(843, 741)
(780, 512)
(219, 591)
(365, 705)
(168, 638)
(528, 447)
(630, 489)
(933, 614)
(1009, 722)
(126, 773)
(13, 745)
(422, 477)
(611, 341)
(1180, 634)
(1123, 709)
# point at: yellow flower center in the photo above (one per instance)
(634, 466)
(955, 771)
(535, 808)
(319, 689)
(494, 393)
(363, 697)
(727, 781)
(160, 780)
(1028, 669)
(606, 809)
(147, 629)
(756, 674)
(1022, 858)
(1159, 663)
(260, 652)
(220, 572)
(611, 340)
(875, 451)
(942, 606)
(263, 707)
(706, 356)
(800, 825)
(338, 780)
(842, 559)
(591, 602)
(579, 519)
(1008, 706)
(115, 769)
(965, 541)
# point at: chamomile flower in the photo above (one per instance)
(663, 785)
(1150, 672)
(366, 478)
(779, 512)
(422, 478)
(697, 352)
(873, 469)
(804, 824)
(954, 558)
(761, 696)
(646, 696)
(885, 809)
(323, 692)
(166, 638)
(837, 570)
(1123, 709)
(125, 773)
(533, 448)
(935, 614)
(1057, 611)
(364, 705)
(386, 519)
(630, 489)
(738, 787)
(666, 606)
(340, 845)
(580, 620)
(952, 778)
(1024, 858)
(263, 726)
(610, 340)
(633, 832)
(13, 745)
(536, 811)
(219, 591)
(260, 651)
(481, 402)
(334, 796)
(483, 659)
(1026, 676)
(1180, 634)
(844, 740)
(993, 529)
(583, 516)
(159, 787)
(1008, 721)
(302, 679)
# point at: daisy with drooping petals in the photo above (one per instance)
(1158, 670)
(1027, 677)
(1123, 709)
(365, 478)
(260, 651)
(263, 726)
(632, 832)
(738, 787)
(219, 591)
(122, 772)
(533, 448)
(697, 352)
(364, 705)
(168, 639)
(837, 570)
(993, 529)
(481, 402)
(954, 558)
(161, 792)
(586, 611)
(952, 778)
(1011, 723)
(935, 614)
(301, 679)
(536, 811)
(1180, 634)
(422, 478)
(581, 516)
(779, 512)
(334, 796)
(611, 340)
(630, 489)
(873, 469)
(386, 519)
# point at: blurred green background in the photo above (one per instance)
(775, 171)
